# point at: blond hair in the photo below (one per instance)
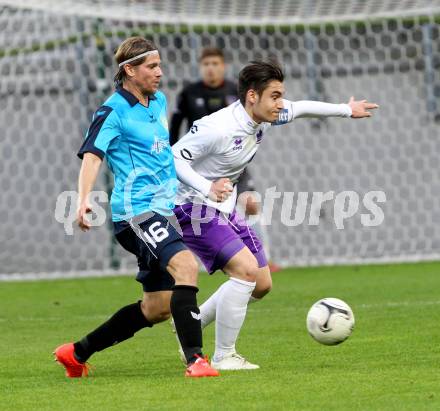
(129, 48)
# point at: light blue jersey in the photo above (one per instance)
(134, 140)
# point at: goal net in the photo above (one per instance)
(56, 67)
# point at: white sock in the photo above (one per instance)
(231, 311)
(208, 308)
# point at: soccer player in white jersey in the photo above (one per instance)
(209, 160)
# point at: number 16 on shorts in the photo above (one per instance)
(155, 234)
(155, 230)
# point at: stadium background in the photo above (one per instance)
(56, 67)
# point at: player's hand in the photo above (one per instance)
(360, 108)
(84, 208)
(221, 190)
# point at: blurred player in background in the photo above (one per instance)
(130, 131)
(206, 96)
(209, 161)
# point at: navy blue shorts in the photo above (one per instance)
(154, 240)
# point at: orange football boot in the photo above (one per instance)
(201, 368)
(74, 369)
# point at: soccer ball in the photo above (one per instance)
(330, 321)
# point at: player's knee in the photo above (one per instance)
(262, 289)
(161, 315)
(189, 271)
(154, 312)
(185, 268)
(246, 272)
(264, 283)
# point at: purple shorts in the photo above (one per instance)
(215, 237)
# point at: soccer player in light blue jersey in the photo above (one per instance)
(130, 131)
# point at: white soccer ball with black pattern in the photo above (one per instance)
(330, 321)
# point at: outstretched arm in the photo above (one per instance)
(305, 108)
(359, 109)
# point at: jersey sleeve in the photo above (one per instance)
(305, 108)
(105, 127)
(200, 141)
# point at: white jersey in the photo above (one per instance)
(223, 143)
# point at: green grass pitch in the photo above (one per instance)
(391, 362)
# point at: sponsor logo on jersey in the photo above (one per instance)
(158, 145)
(194, 129)
(259, 136)
(238, 145)
(200, 101)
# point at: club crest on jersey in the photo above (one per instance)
(259, 136)
(237, 144)
(158, 145)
